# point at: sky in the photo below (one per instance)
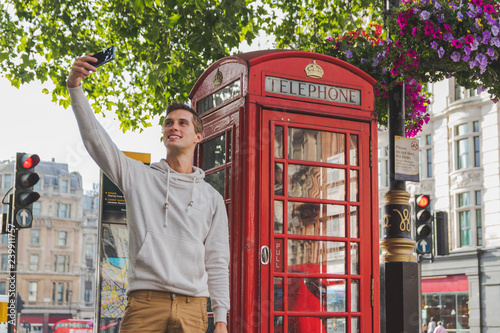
(30, 122)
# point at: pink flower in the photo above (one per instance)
(438, 34)
(456, 43)
(411, 53)
(447, 27)
(414, 31)
(469, 39)
(429, 28)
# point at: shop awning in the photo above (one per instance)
(31, 319)
(445, 284)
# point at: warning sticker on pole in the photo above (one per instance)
(406, 159)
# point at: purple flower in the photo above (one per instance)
(486, 36)
(471, 7)
(375, 62)
(441, 18)
(440, 51)
(473, 64)
(467, 50)
(465, 57)
(495, 30)
(495, 41)
(438, 6)
(460, 16)
(490, 52)
(447, 37)
(348, 54)
(455, 56)
(434, 45)
(424, 15)
(471, 14)
(482, 60)
(480, 89)
(475, 44)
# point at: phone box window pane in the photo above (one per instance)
(353, 154)
(316, 146)
(278, 142)
(313, 256)
(316, 219)
(316, 182)
(214, 152)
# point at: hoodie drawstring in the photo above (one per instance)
(190, 204)
(167, 204)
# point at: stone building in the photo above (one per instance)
(459, 169)
(56, 257)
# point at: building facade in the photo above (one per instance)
(56, 257)
(459, 169)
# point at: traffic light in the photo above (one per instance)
(24, 195)
(19, 303)
(442, 246)
(423, 224)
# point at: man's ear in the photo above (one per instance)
(199, 137)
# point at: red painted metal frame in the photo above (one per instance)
(365, 248)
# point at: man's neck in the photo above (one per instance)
(181, 164)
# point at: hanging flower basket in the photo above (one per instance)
(427, 42)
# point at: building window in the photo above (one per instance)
(62, 240)
(4, 262)
(61, 263)
(3, 286)
(8, 181)
(5, 239)
(64, 186)
(36, 208)
(469, 219)
(459, 92)
(33, 262)
(383, 165)
(479, 218)
(465, 142)
(64, 211)
(35, 236)
(33, 287)
(450, 308)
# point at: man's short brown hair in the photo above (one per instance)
(197, 122)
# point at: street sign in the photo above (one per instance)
(24, 218)
(423, 246)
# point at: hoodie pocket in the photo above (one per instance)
(165, 261)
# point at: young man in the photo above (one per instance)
(177, 223)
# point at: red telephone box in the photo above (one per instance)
(289, 142)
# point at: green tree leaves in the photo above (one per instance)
(161, 47)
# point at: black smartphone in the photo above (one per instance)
(104, 56)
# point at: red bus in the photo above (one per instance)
(73, 326)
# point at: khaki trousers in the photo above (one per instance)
(164, 312)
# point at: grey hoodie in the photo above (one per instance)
(177, 223)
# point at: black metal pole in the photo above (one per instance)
(12, 232)
(399, 274)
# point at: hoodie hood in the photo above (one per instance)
(197, 173)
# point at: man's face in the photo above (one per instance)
(178, 131)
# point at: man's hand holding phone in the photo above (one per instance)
(83, 66)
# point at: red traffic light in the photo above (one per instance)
(29, 162)
(423, 201)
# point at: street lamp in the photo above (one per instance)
(70, 292)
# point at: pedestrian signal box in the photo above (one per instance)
(288, 142)
(423, 224)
